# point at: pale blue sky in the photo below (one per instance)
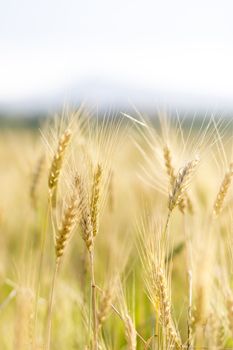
(176, 48)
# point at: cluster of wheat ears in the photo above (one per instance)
(116, 233)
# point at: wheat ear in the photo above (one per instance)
(168, 164)
(105, 306)
(70, 218)
(171, 175)
(24, 319)
(218, 204)
(181, 183)
(56, 165)
(171, 334)
(85, 220)
(95, 197)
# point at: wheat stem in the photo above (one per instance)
(41, 259)
(50, 308)
(93, 300)
(120, 316)
(190, 311)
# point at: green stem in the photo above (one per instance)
(167, 222)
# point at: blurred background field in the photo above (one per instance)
(132, 214)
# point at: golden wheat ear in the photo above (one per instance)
(56, 165)
(70, 218)
(105, 304)
(95, 197)
(153, 253)
(85, 220)
(24, 318)
(166, 321)
(181, 183)
(226, 182)
(185, 202)
(168, 164)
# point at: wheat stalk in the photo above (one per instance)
(190, 300)
(87, 235)
(130, 333)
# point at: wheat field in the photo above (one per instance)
(116, 233)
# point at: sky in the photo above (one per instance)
(178, 52)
